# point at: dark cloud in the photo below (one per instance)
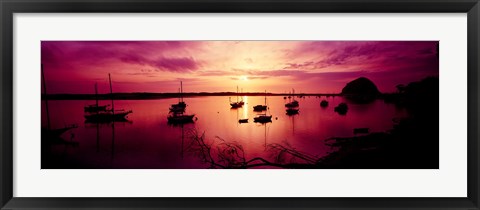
(99, 53)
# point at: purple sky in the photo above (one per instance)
(214, 66)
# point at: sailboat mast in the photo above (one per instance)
(265, 97)
(181, 91)
(46, 98)
(237, 93)
(111, 92)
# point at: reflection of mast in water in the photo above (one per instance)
(265, 135)
(293, 124)
(113, 140)
(113, 122)
(98, 137)
(182, 141)
(97, 122)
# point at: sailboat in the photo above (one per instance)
(177, 111)
(48, 132)
(237, 104)
(95, 107)
(259, 108)
(110, 115)
(293, 103)
(292, 106)
(262, 118)
(181, 105)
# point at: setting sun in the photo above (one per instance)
(243, 78)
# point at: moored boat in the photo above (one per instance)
(293, 103)
(259, 108)
(324, 103)
(341, 109)
(237, 104)
(181, 105)
(263, 118)
(95, 107)
(110, 115)
(243, 120)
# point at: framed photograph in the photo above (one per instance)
(239, 105)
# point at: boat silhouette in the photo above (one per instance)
(263, 118)
(110, 115)
(237, 104)
(95, 107)
(181, 105)
(324, 103)
(294, 103)
(177, 111)
(341, 109)
(259, 108)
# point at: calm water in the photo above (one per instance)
(148, 141)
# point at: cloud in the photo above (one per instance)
(271, 73)
(183, 64)
(250, 78)
(213, 73)
(176, 64)
(165, 55)
(373, 56)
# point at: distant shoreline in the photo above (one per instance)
(147, 96)
(144, 96)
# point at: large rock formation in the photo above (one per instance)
(360, 90)
(360, 86)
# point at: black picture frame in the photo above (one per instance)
(10, 7)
